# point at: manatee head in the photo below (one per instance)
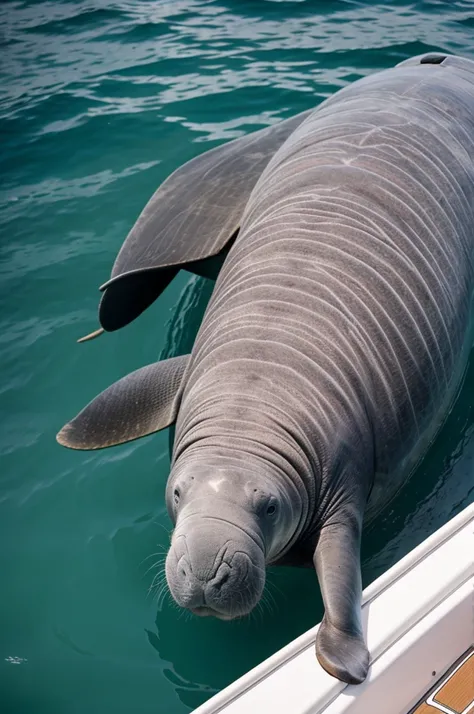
(230, 523)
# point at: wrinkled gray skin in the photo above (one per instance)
(330, 352)
(332, 339)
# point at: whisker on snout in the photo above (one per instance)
(158, 553)
(157, 564)
(155, 584)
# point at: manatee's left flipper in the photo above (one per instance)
(141, 403)
(340, 645)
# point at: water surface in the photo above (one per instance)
(99, 102)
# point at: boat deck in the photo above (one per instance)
(454, 692)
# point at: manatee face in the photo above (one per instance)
(228, 526)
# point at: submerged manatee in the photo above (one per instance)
(331, 349)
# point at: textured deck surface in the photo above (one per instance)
(454, 692)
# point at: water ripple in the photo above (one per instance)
(99, 102)
(91, 42)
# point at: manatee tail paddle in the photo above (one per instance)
(189, 223)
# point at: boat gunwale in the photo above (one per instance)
(299, 645)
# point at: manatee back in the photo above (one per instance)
(347, 294)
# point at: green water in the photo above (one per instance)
(99, 102)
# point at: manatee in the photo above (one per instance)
(331, 350)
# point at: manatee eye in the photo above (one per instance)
(271, 510)
(176, 495)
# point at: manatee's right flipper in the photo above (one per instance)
(340, 645)
(141, 403)
(192, 218)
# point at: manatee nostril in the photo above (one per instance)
(183, 569)
(222, 576)
(222, 581)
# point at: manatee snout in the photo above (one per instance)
(215, 568)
